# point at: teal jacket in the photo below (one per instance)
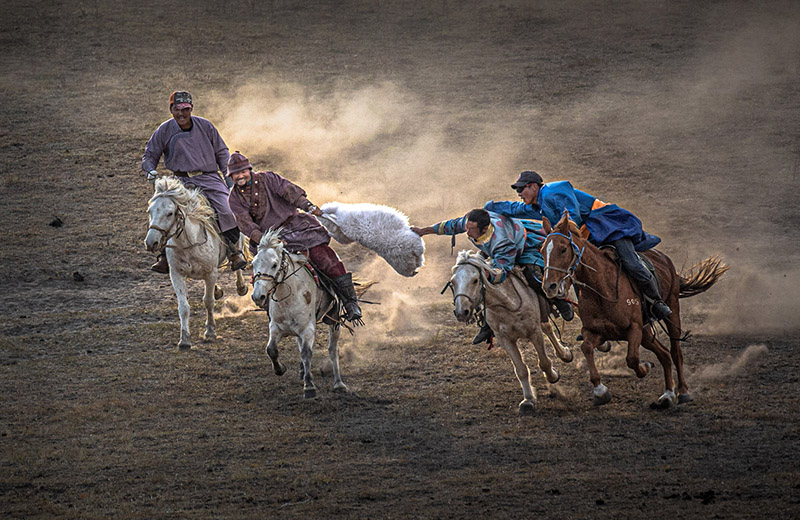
(507, 241)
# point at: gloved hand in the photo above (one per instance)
(151, 176)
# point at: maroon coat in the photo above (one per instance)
(268, 202)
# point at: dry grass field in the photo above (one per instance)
(687, 113)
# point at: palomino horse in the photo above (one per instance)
(287, 290)
(610, 306)
(182, 223)
(512, 311)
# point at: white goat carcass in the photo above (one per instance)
(379, 228)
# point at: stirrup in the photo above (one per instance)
(485, 334)
(161, 266)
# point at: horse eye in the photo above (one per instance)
(474, 281)
(563, 250)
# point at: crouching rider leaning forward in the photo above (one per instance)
(261, 201)
(508, 242)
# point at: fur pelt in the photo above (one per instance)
(379, 228)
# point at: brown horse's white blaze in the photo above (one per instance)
(512, 311)
(610, 306)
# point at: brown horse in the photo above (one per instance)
(610, 305)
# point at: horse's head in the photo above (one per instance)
(164, 214)
(561, 256)
(467, 284)
(267, 266)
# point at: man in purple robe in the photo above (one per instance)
(261, 201)
(196, 154)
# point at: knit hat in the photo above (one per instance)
(237, 163)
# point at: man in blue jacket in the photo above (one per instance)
(601, 223)
(508, 242)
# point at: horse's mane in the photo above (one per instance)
(189, 200)
(271, 239)
(473, 258)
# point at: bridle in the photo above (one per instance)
(278, 278)
(569, 272)
(180, 225)
(475, 305)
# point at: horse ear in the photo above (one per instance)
(564, 217)
(546, 226)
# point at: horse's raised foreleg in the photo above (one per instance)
(208, 301)
(272, 351)
(545, 365)
(590, 342)
(333, 352)
(650, 342)
(179, 285)
(564, 353)
(305, 342)
(528, 403)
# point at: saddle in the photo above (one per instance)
(611, 252)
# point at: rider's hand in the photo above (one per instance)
(421, 231)
(151, 176)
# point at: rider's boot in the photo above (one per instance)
(235, 257)
(564, 308)
(161, 265)
(343, 285)
(658, 308)
(485, 334)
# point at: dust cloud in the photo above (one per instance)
(731, 367)
(682, 151)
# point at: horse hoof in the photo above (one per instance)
(241, 291)
(604, 347)
(184, 346)
(209, 338)
(218, 293)
(554, 379)
(661, 404)
(280, 369)
(568, 356)
(340, 389)
(527, 407)
(310, 393)
(684, 398)
(600, 400)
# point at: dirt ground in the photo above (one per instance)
(687, 113)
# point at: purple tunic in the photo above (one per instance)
(200, 149)
(268, 202)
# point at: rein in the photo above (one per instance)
(279, 278)
(180, 227)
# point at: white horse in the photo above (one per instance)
(512, 311)
(183, 224)
(287, 290)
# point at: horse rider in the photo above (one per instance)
(508, 242)
(195, 152)
(261, 201)
(601, 223)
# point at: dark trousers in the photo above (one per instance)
(630, 261)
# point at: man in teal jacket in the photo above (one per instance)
(508, 242)
(601, 223)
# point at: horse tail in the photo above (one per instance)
(702, 276)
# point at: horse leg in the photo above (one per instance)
(333, 353)
(674, 330)
(305, 342)
(545, 365)
(241, 283)
(179, 285)
(590, 341)
(272, 351)
(528, 403)
(651, 343)
(564, 353)
(208, 300)
(632, 358)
